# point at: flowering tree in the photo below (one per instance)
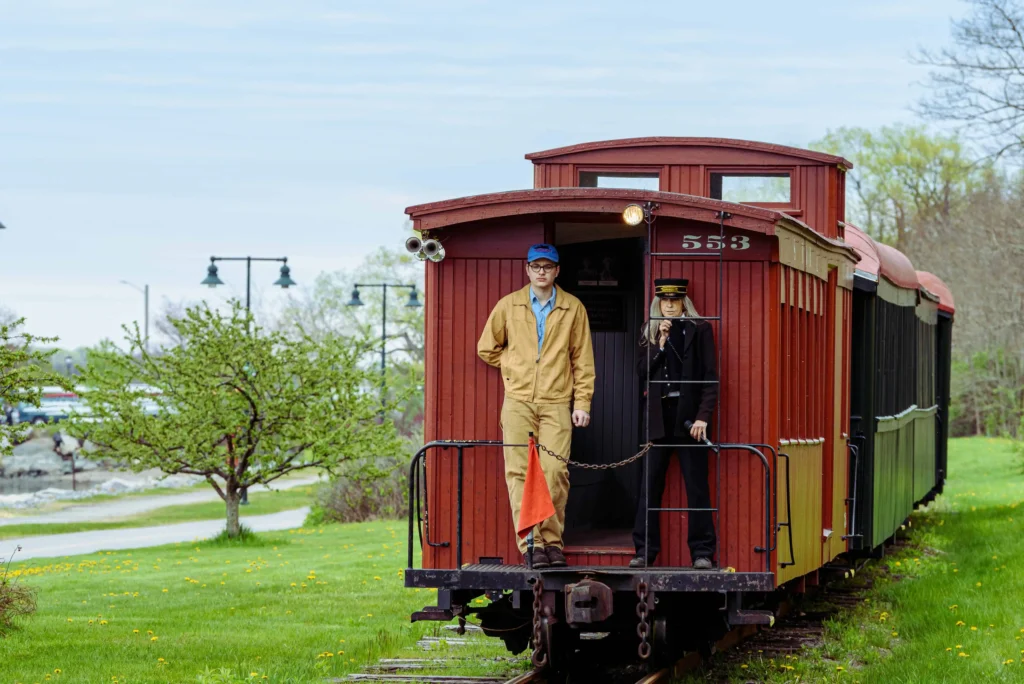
(23, 373)
(236, 404)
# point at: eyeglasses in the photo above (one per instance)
(546, 268)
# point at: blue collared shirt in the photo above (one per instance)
(541, 314)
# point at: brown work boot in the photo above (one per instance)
(555, 557)
(540, 559)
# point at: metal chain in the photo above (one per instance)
(539, 657)
(598, 466)
(642, 627)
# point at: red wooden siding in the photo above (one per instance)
(465, 395)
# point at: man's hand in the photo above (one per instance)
(580, 418)
(699, 430)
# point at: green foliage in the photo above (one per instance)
(24, 371)
(903, 177)
(238, 403)
(324, 311)
(371, 489)
(987, 395)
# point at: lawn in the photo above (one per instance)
(259, 503)
(166, 614)
(947, 608)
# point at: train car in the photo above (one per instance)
(899, 390)
(757, 229)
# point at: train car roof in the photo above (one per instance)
(934, 284)
(877, 258)
(671, 141)
(869, 264)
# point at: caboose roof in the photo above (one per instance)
(682, 142)
(446, 213)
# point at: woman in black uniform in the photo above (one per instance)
(677, 350)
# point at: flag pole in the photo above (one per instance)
(529, 537)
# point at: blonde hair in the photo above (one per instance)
(651, 336)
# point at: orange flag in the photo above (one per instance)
(536, 505)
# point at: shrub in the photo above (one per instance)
(16, 599)
(371, 489)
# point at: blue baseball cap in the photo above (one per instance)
(542, 251)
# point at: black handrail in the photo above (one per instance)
(460, 445)
(789, 515)
(852, 499)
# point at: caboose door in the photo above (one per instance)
(607, 276)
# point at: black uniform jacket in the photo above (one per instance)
(696, 401)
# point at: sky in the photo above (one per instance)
(137, 139)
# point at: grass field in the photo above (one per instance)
(947, 608)
(277, 609)
(259, 503)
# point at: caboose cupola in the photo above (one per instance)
(804, 184)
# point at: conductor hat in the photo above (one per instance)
(670, 288)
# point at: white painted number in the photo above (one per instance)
(714, 242)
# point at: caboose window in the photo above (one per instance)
(619, 179)
(737, 187)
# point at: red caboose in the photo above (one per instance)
(757, 230)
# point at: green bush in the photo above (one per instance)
(370, 489)
(16, 599)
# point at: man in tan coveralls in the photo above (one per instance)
(539, 337)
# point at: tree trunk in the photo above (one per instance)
(231, 502)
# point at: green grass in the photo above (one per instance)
(260, 503)
(957, 588)
(271, 606)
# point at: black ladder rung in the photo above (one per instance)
(684, 510)
(686, 318)
(683, 382)
(685, 254)
(682, 446)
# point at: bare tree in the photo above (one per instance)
(979, 82)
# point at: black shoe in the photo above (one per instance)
(555, 556)
(540, 559)
(641, 562)
(702, 564)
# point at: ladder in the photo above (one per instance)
(650, 209)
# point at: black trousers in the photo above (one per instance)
(693, 462)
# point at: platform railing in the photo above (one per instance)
(416, 508)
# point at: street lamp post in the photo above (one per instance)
(145, 293)
(213, 280)
(413, 302)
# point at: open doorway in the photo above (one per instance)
(607, 276)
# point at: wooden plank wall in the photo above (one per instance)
(464, 399)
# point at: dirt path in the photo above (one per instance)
(137, 537)
(129, 506)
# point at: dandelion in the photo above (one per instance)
(977, 584)
(895, 634)
(743, 667)
(153, 638)
(960, 623)
(58, 671)
(973, 628)
(949, 649)
(135, 631)
(839, 668)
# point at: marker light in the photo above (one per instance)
(633, 214)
